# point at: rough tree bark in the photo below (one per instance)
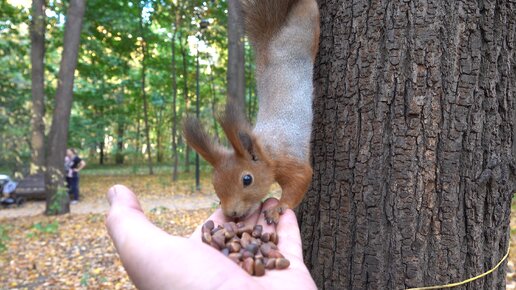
(236, 62)
(413, 144)
(37, 55)
(58, 136)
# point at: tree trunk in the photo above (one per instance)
(144, 97)
(138, 136)
(252, 102)
(173, 72)
(213, 94)
(56, 201)
(119, 156)
(236, 61)
(175, 157)
(159, 150)
(146, 115)
(159, 135)
(38, 86)
(102, 146)
(413, 144)
(158, 128)
(187, 100)
(120, 130)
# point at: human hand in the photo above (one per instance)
(156, 260)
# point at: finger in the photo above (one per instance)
(125, 211)
(267, 204)
(217, 217)
(152, 258)
(289, 238)
(120, 195)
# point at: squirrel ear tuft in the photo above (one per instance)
(234, 124)
(239, 133)
(200, 141)
(247, 143)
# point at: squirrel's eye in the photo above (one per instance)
(247, 180)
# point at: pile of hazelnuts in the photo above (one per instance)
(245, 245)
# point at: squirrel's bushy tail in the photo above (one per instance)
(263, 18)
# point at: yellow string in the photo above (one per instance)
(468, 280)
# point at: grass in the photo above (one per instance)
(4, 237)
(138, 169)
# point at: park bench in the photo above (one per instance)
(32, 186)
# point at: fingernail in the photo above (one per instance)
(112, 194)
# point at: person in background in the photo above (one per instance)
(77, 164)
(68, 172)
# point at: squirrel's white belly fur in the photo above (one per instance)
(284, 119)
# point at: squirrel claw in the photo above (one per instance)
(272, 215)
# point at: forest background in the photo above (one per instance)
(142, 66)
(127, 49)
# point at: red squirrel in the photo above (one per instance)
(285, 36)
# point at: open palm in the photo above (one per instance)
(156, 260)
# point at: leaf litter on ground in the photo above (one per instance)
(74, 251)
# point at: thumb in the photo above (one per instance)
(120, 195)
(124, 213)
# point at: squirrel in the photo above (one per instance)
(285, 36)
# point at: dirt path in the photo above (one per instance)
(184, 202)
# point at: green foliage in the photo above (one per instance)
(57, 200)
(39, 229)
(108, 108)
(14, 87)
(84, 279)
(4, 237)
(159, 209)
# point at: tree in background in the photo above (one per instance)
(56, 201)
(37, 33)
(236, 53)
(143, 48)
(176, 13)
(413, 144)
(107, 116)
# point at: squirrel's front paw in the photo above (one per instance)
(272, 215)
